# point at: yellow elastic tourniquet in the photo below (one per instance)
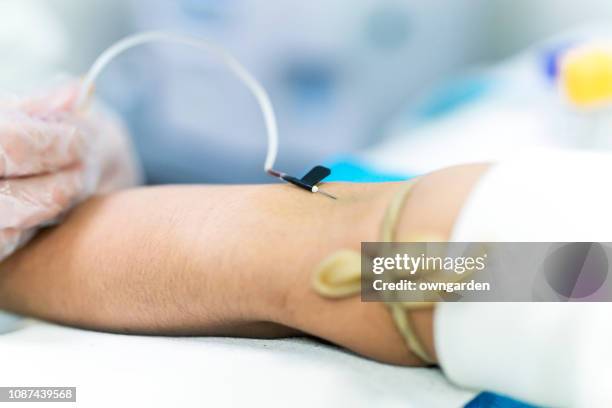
(339, 276)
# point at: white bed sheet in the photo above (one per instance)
(119, 370)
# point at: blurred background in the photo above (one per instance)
(341, 73)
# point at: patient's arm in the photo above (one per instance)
(223, 260)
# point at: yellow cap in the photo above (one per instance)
(586, 75)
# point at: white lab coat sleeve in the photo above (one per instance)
(553, 354)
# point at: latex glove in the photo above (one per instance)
(52, 157)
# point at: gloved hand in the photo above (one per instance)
(53, 156)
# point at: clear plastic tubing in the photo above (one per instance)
(216, 51)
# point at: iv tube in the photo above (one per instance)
(219, 53)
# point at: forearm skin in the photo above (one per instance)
(216, 260)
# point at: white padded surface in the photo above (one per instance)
(119, 370)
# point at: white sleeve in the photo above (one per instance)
(541, 195)
(554, 354)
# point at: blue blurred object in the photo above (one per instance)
(204, 10)
(448, 98)
(490, 400)
(388, 27)
(311, 83)
(351, 169)
(551, 57)
(9, 322)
